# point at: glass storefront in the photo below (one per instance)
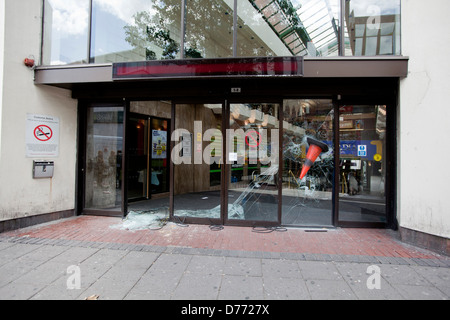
(100, 31)
(299, 162)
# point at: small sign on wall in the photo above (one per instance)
(42, 136)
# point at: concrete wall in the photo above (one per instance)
(424, 119)
(20, 194)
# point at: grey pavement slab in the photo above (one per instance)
(243, 266)
(241, 287)
(198, 286)
(319, 270)
(116, 272)
(276, 288)
(326, 289)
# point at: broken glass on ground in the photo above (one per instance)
(144, 220)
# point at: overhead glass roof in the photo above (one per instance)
(307, 27)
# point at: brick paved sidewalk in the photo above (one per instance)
(334, 242)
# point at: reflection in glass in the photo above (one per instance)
(198, 162)
(209, 29)
(372, 27)
(135, 30)
(320, 19)
(253, 147)
(104, 143)
(139, 30)
(362, 164)
(66, 29)
(307, 201)
(288, 28)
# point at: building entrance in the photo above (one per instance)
(148, 161)
(249, 162)
(148, 158)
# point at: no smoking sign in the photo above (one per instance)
(42, 136)
(43, 133)
(253, 138)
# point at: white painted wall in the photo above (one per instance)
(424, 122)
(20, 194)
(2, 45)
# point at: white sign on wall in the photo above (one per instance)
(42, 136)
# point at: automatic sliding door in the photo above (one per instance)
(308, 162)
(253, 154)
(198, 162)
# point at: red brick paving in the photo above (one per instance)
(367, 242)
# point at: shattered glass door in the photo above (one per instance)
(362, 163)
(197, 159)
(253, 162)
(308, 162)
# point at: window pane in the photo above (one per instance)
(381, 19)
(135, 30)
(66, 28)
(284, 28)
(255, 36)
(209, 29)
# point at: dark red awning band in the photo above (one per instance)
(277, 66)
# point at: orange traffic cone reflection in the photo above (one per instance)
(315, 149)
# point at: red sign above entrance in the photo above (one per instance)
(188, 68)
